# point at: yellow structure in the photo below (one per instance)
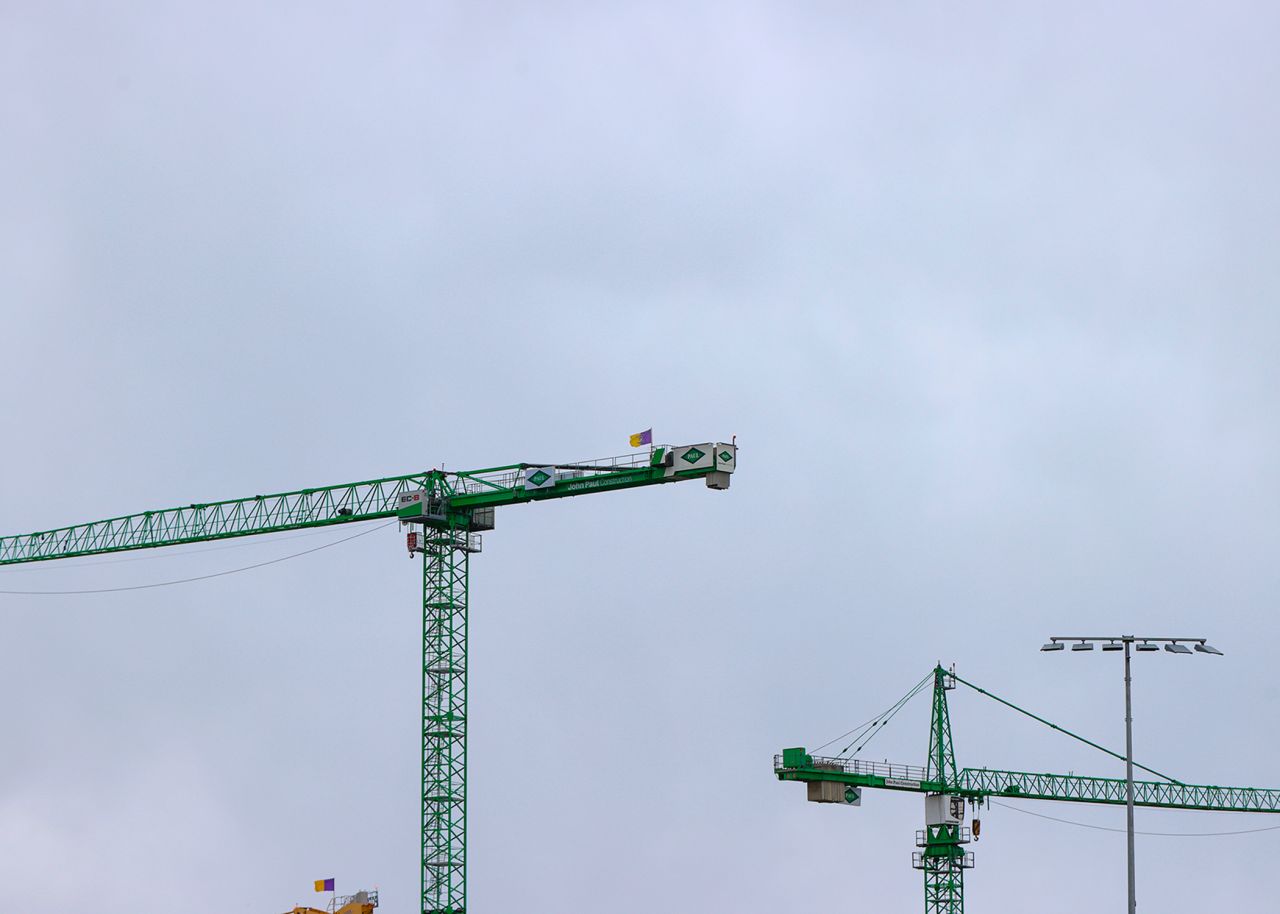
(359, 903)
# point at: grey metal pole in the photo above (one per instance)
(1110, 644)
(1128, 773)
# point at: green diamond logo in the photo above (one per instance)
(725, 456)
(693, 455)
(850, 795)
(539, 477)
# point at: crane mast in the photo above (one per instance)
(446, 513)
(948, 789)
(942, 857)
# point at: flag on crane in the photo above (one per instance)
(639, 438)
(324, 885)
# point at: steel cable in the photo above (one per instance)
(1159, 834)
(202, 577)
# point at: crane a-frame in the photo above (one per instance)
(447, 511)
(942, 856)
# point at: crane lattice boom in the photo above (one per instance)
(983, 783)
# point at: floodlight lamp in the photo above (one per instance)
(1146, 646)
(1174, 647)
(1083, 646)
(1113, 646)
(1208, 649)
(1053, 646)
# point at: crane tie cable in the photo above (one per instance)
(888, 716)
(1054, 726)
(153, 554)
(875, 720)
(202, 577)
(1161, 834)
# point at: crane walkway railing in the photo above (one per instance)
(1021, 785)
(338, 902)
(887, 770)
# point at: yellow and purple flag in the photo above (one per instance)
(324, 885)
(639, 438)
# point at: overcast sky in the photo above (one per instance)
(986, 292)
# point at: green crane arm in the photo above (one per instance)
(357, 501)
(452, 497)
(984, 782)
(981, 783)
(480, 490)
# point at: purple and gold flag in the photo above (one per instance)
(324, 885)
(645, 437)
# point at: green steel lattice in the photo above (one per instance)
(444, 721)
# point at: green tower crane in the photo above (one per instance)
(942, 856)
(447, 512)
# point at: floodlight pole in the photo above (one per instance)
(1171, 645)
(1128, 774)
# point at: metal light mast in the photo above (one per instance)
(1173, 646)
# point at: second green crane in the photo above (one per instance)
(947, 790)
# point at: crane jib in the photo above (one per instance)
(983, 783)
(374, 499)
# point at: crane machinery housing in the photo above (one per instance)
(447, 512)
(947, 790)
(358, 903)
